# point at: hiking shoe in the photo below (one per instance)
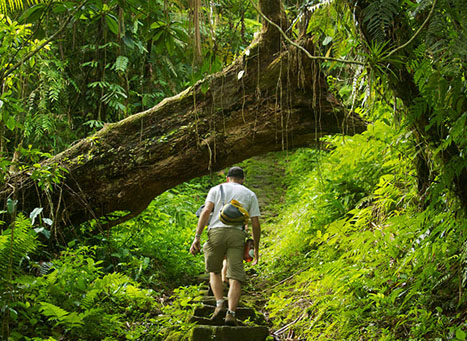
(217, 314)
(230, 320)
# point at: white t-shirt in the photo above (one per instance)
(232, 190)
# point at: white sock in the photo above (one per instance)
(230, 312)
(219, 303)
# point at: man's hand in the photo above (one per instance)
(256, 260)
(256, 237)
(196, 246)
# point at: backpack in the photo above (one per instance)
(231, 213)
(198, 213)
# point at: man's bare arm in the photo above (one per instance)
(202, 222)
(256, 227)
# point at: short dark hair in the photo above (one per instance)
(236, 172)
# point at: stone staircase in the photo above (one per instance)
(251, 324)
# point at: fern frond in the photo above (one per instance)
(436, 40)
(378, 17)
(52, 311)
(422, 6)
(60, 316)
(419, 107)
(88, 301)
(15, 244)
(121, 64)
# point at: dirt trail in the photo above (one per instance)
(265, 177)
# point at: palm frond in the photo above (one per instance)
(7, 6)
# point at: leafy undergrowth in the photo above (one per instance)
(134, 283)
(354, 255)
(349, 251)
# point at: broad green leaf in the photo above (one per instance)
(32, 13)
(11, 205)
(327, 40)
(48, 221)
(157, 24)
(112, 23)
(33, 215)
(11, 123)
(43, 231)
(460, 334)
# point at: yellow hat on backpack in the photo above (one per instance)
(234, 214)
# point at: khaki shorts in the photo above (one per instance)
(229, 243)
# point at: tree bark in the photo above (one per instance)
(270, 98)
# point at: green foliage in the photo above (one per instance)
(97, 292)
(370, 260)
(77, 300)
(378, 16)
(115, 59)
(368, 263)
(153, 247)
(34, 96)
(16, 243)
(12, 5)
(175, 319)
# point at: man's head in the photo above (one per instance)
(236, 174)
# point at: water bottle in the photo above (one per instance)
(249, 250)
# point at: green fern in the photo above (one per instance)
(418, 108)
(15, 245)
(37, 126)
(88, 300)
(446, 36)
(378, 17)
(61, 316)
(121, 64)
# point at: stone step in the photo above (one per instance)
(242, 313)
(226, 333)
(205, 321)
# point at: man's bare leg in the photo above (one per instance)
(234, 297)
(216, 285)
(224, 271)
(218, 291)
(234, 294)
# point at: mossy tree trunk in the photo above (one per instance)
(270, 98)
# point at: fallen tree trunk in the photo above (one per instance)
(271, 98)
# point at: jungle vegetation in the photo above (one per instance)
(105, 157)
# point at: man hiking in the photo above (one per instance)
(227, 240)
